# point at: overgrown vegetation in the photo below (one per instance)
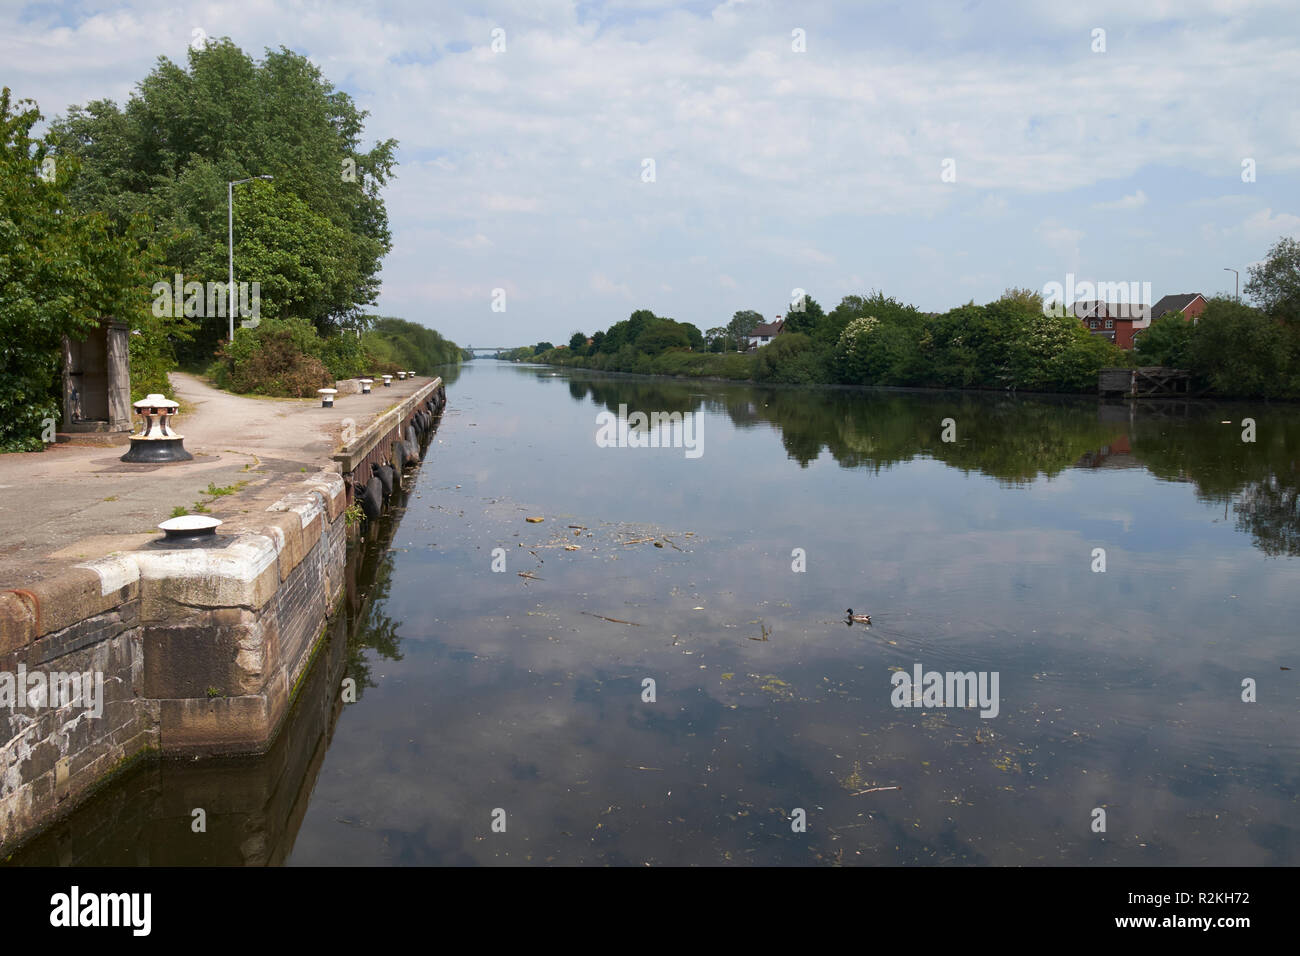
(393, 344)
(279, 357)
(289, 357)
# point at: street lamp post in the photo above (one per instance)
(230, 245)
(1237, 283)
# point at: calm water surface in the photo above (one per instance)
(487, 691)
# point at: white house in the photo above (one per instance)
(765, 332)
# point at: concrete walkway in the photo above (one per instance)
(77, 501)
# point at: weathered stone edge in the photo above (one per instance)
(269, 545)
(357, 449)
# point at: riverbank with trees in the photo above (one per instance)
(1016, 343)
(866, 340)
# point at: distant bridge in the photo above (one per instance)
(494, 348)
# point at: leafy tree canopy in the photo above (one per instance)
(804, 315)
(315, 235)
(1165, 341)
(742, 323)
(60, 271)
(1275, 282)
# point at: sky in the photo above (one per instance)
(698, 158)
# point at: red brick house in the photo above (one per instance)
(1191, 304)
(1123, 322)
(1117, 322)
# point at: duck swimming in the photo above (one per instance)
(857, 618)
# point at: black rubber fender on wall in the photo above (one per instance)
(372, 502)
(385, 475)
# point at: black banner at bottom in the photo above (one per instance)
(880, 905)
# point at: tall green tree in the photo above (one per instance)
(303, 261)
(888, 310)
(188, 130)
(60, 271)
(741, 324)
(804, 316)
(1239, 350)
(659, 335)
(1029, 298)
(1275, 283)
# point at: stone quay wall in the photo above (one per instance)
(199, 650)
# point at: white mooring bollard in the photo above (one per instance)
(157, 443)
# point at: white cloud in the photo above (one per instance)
(1135, 201)
(1064, 239)
(501, 203)
(601, 283)
(1264, 226)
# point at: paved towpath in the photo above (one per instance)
(75, 501)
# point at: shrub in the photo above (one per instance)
(395, 344)
(855, 355)
(1164, 342)
(278, 357)
(345, 356)
(736, 365)
(1240, 351)
(790, 359)
(1056, 353)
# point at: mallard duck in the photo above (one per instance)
(857, 618)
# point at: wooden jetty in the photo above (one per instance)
(1151, 381)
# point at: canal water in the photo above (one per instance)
(660, 670)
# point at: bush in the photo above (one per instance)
(278, 357)
(1075, 367)
(288, 356)
(790, 359)
(1240, 351)
(1056, 353)
(1164, 342)
(736, 365)
(152, 356)
(345, 356)
(855, 353)
(397, 345)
